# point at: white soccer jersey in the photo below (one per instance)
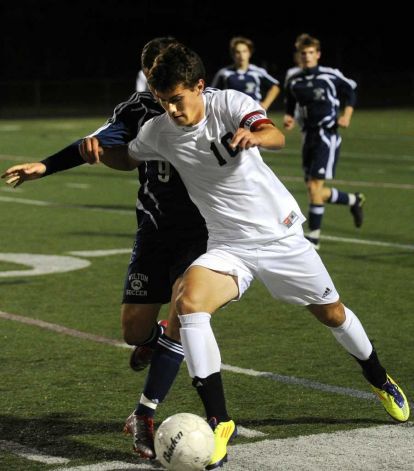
(238, 195)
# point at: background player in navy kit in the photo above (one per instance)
(171, 234)
(315, 92)
(245, 77)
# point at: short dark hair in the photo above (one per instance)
(151, 50)
(176, 65)
(241, 40)
(306, 40)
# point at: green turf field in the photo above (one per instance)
(67, 397)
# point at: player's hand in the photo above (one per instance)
(18, 174)
(244, 139)
(344, 121)
(90, 150)
(288, 122)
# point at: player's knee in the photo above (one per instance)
(315, 193)
(332, 315)
(186, 304)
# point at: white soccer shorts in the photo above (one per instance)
(290, 268)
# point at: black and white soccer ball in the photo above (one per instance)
(184, 442)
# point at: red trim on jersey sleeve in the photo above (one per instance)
(254, 119)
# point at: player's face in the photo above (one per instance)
(241, 55)
(184, 105)
(309, 57)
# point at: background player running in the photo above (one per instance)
(314, 93)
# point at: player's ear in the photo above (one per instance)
(200, 86)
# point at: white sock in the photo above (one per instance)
(199, 344)
(351, 335)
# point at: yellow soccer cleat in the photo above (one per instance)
(223, 433)
(393, 399)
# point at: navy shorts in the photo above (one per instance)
(320, 153)
(157, 260)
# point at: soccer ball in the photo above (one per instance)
(184, 442)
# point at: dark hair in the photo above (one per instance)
(151, 50)
(176, 65)
(306, 40)
(241, 40)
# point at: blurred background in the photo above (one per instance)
(82, 57)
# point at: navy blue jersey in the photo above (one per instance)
(255, 81)
(163, 201)
(318, 93)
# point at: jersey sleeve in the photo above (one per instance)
(143, 147)
(267, 80)
(346, 89)
(218, 81)
(246, 112)
(290, 101)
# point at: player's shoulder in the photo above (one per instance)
(138, 103)
(293, 74)
(257, 69)
(336, 73)
(227, 70)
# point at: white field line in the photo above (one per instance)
(111, 466)
(99, 253)
(306, 383)
(355, 155)
(392, 186)
(127, 211)
(387, 447)
(9, 199)
(30, 453)
(368, 449)
(368, 242)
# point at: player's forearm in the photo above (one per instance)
(67, 158)
(117, 158)
(270, 97)
(348, 112)
(270, 137)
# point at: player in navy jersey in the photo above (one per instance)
(245, 77)
(314, 95)
(171, 235)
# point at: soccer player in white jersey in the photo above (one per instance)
(255, 229)
(246, 77)
(314, 95)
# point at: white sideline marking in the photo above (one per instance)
(111, 465)
(41, 264)
(61, 329)
(30, 453)
(248, 433)
(369, 449)
(99, 253)
(392, 186)
(233, 369)
(8, 199)
(368, 242)
(307, 383)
